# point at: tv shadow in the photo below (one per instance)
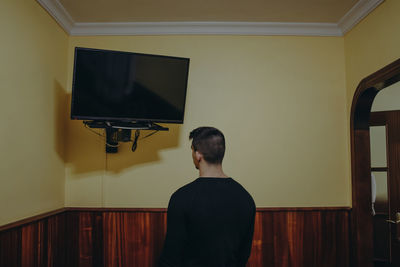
(83, 149)
(60, 117)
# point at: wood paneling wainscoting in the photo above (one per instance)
(37, 241)
(301, 237)
(134, 237)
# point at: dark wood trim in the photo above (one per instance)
(379, 169)
(104, 209)
(151, 210)
(377, 118)
(361, 219)
(31, 219)
(393, 161)
(366, 92)
(261, 209)
(274, 209)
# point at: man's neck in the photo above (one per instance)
(209, 170)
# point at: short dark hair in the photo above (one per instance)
(210, 142)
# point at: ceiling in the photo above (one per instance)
(263, 17)
(207, 10)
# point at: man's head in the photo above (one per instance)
(208, 143)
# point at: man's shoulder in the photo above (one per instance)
(186, 189)
(245, 193)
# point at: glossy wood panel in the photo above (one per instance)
(36, 243)
(134, 237)
(10, 248)
(301, 238)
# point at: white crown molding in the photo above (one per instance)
(58, 12)
(355, 15)
(196, 28)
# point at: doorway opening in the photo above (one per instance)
(363, 220)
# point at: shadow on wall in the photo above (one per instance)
(147, 149)
(60, 117)
(83, 149)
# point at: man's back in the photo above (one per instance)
(210, 223)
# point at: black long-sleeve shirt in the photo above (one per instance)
(210, 222)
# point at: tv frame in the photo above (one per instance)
(117, 119)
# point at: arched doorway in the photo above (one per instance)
(361, 220)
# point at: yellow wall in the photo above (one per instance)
(33, 56)
(372, 44)
(280, 101)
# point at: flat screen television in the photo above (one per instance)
(125, 86)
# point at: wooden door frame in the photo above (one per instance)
(361, 223)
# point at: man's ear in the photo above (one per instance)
(198, 155)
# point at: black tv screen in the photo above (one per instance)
(124, 86)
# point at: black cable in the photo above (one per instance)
(134, 141)
(93, 131)
(134, 144)
(150, 134)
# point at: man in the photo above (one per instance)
(210, 221)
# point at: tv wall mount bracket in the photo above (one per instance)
(120, 131)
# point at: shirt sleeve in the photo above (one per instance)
(176, 236)
(245, 248)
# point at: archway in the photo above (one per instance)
(361, 223)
